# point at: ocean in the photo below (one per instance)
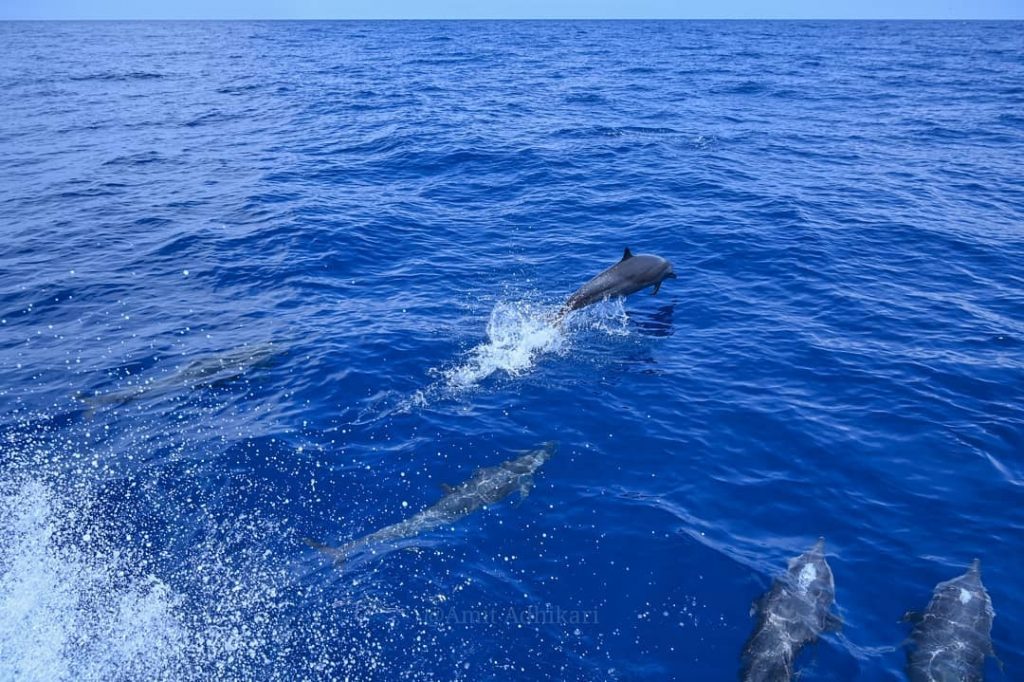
(264, 282)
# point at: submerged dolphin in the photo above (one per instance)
(205, 372)
(486, 486)
(953, 637)
(790, 615)
(628, 276)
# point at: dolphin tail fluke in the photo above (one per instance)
(337, 555)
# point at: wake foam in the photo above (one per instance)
(82, 599)
(68, 613)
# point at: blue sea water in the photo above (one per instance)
(268, 281)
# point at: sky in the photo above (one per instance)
(511, 9)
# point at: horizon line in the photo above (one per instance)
(468, 19)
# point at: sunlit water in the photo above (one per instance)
(262, 282)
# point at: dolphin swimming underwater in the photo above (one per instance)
(790, 615)
(953, 637)
(204, 372)
(628, 276)
(485, 487)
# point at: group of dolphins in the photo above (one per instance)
(486, 486)
(950, 639)
(949, 642)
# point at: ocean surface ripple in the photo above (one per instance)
(268, 281)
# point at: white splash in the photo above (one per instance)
(79, 602)
(70, 614)
(517, 334)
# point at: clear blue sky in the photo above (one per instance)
(510, 9)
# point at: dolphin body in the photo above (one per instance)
(790, 615)
(206, 372)
(953, 637)
(485, 487)
(628, 276)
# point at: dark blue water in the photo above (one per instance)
(263, 281)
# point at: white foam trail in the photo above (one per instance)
(517, 334)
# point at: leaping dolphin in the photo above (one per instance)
(953, 637)
(628, 276)
(790, 615)
(486, 486)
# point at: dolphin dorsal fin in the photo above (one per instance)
(627, 254)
